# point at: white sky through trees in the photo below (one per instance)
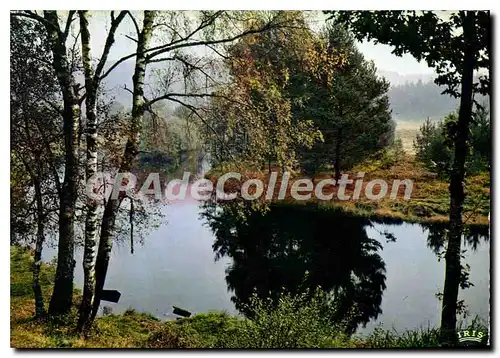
(380, 54)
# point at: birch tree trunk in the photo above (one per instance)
(62, 295)
(131, 150)
(92, 81)
(453, 267)
(90, 170)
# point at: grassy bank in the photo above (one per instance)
(114, 331)
(288, 326)
(429, 201)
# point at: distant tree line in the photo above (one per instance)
(417, 101)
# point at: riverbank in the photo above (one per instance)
(428, 204)
(207, 330)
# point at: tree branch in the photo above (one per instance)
(194, 110)
(128, 90)
(123, 59)
(217, 52)
(186, 63)
(68, 24)
(134, 21)
(202, 25)
(34, 16)
(174, 45)
(170, 97)
(208, 42)
(110, 39)
(131, 38)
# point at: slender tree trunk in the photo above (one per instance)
(131, 150)
(40, 238)
(62, 295)
(63, 287)
(90, 170)
(92, 81)
(453, 266)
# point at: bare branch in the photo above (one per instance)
(110, 39)
(134, 21)
(116, 64)
(171, 97)
(68, 24)
(202, 25)
(217, 52)
(186, 63)
(131, 38)
(169, 47)
(128, 90)
(164, 59)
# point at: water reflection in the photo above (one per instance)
(292, 248)
(295, 247)
(473, 236)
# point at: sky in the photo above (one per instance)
(385, 60)
(381, 54)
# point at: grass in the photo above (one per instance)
(430, 196)
(407, 131)
(129, 330)
(290, 325)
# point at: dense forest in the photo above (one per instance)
(261, 93)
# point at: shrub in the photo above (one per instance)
(434, 144)
(175, 336)
(392, 154)
(297, 322)
(419, 338)
(431, 148)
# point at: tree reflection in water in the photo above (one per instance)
(295, 248)
(473, 235)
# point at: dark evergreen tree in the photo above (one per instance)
(351, 109)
